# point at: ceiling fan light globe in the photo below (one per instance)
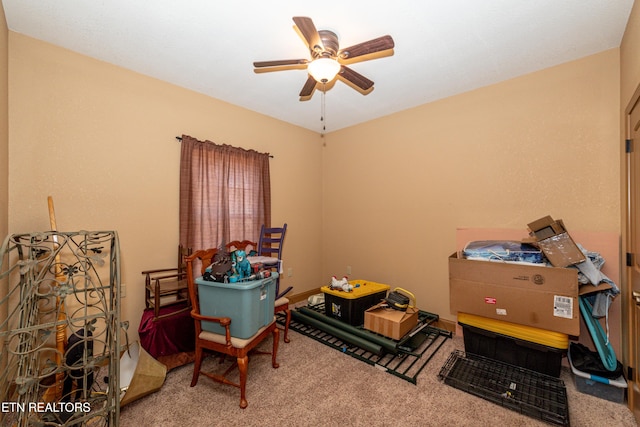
(323, 70)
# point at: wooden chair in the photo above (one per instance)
(224, 344)
(270, 245)
(282, 303)
(241, 245)
(167, 286)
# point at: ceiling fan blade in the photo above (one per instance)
(308, 88)
(355, 78)
(372, 46)
(309, 32)
(280, 63)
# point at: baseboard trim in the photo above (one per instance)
(447, 325)
(303, 296)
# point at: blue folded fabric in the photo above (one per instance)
(503, 250)
(591, 274)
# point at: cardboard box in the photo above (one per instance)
(389, 322)
(538, 296)
(555, 242)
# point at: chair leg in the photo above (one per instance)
(242, 367)
(196, 366)
(274, 351)
(286, 325)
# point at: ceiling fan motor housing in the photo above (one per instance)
(331, 46)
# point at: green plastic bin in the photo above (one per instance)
(250, 305)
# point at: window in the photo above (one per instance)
(225, 193)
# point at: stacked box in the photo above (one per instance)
(537, 296)
(250, 305)
(390, 322)
(349, 307)
(524, 346)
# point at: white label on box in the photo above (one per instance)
(563, 306)
(501, 311)
(263, 294)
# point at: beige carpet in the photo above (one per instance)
(319, 386)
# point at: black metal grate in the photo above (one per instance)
(409, 360)
(522, 390)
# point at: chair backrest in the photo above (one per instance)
(271, 241)
(241, 245)
(206, 258)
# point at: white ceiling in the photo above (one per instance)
(442, 47)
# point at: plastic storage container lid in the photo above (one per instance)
(240, 285)
(526, 333)
(361, 288)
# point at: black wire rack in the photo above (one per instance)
(522, 390)
(411, 355)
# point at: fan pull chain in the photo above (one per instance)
(323, 122)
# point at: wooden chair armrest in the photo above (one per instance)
(223, 321)
(169, 276)
(161, 270)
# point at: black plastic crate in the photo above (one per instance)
(349, 307)
(514, 351)
(522, 390)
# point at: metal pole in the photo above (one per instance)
(338, 333)
(385, 343)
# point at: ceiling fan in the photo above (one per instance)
(328, 60)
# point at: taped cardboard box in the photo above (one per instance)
(555, 242)
(538, 296)
(542, 297)
(389, 322)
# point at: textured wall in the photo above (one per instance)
(4, 128)
(101, 141)
(396, 189)
(384, 197)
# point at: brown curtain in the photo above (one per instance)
(225, 194)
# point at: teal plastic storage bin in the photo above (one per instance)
(250, 305)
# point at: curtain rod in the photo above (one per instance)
(179, 138)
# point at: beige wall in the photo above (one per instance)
(101, 141)
(4, 128)
(384, 197)
(629, 58)
(4, 147)
(396, 189)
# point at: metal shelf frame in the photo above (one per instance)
(60, 328)
(410, 358)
